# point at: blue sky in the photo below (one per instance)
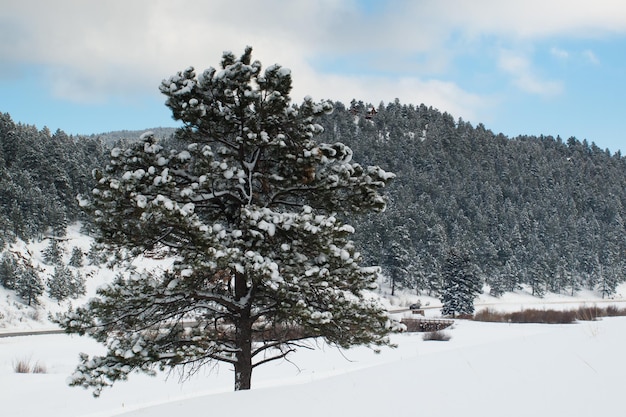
(551, 67)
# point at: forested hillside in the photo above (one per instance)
(528, 210)
(119, 137)
(40, 175)
(540, 211)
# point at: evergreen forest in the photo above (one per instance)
(542, 212)
(40, 175)
(535, 211)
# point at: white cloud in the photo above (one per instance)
(446, 96)
(535, 18)
(524, 76)
(559, 53)
(591, 57)
(95, 49)
(588, 55)
(92, 50)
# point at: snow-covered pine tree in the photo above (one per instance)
(497, 284)
(95, 256)
(59, 283)
(28, 284)
(77, 257)
(400, 259)
(53, 253)
(8, 270)
(250, 212)
(461, 284)
(65, 283)
(608, 279)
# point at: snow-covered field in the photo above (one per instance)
(486, 369)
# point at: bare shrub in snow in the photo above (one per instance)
(438, 335)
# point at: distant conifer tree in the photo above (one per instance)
(28, 283)
(53, 254)
(77, 257)
(461, 284)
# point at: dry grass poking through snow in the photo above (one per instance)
(583, 313)
(23, 366)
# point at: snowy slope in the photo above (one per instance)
(16, 316)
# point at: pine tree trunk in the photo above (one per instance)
(243, 339)
(243, 366)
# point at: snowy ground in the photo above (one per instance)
(486, 369)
